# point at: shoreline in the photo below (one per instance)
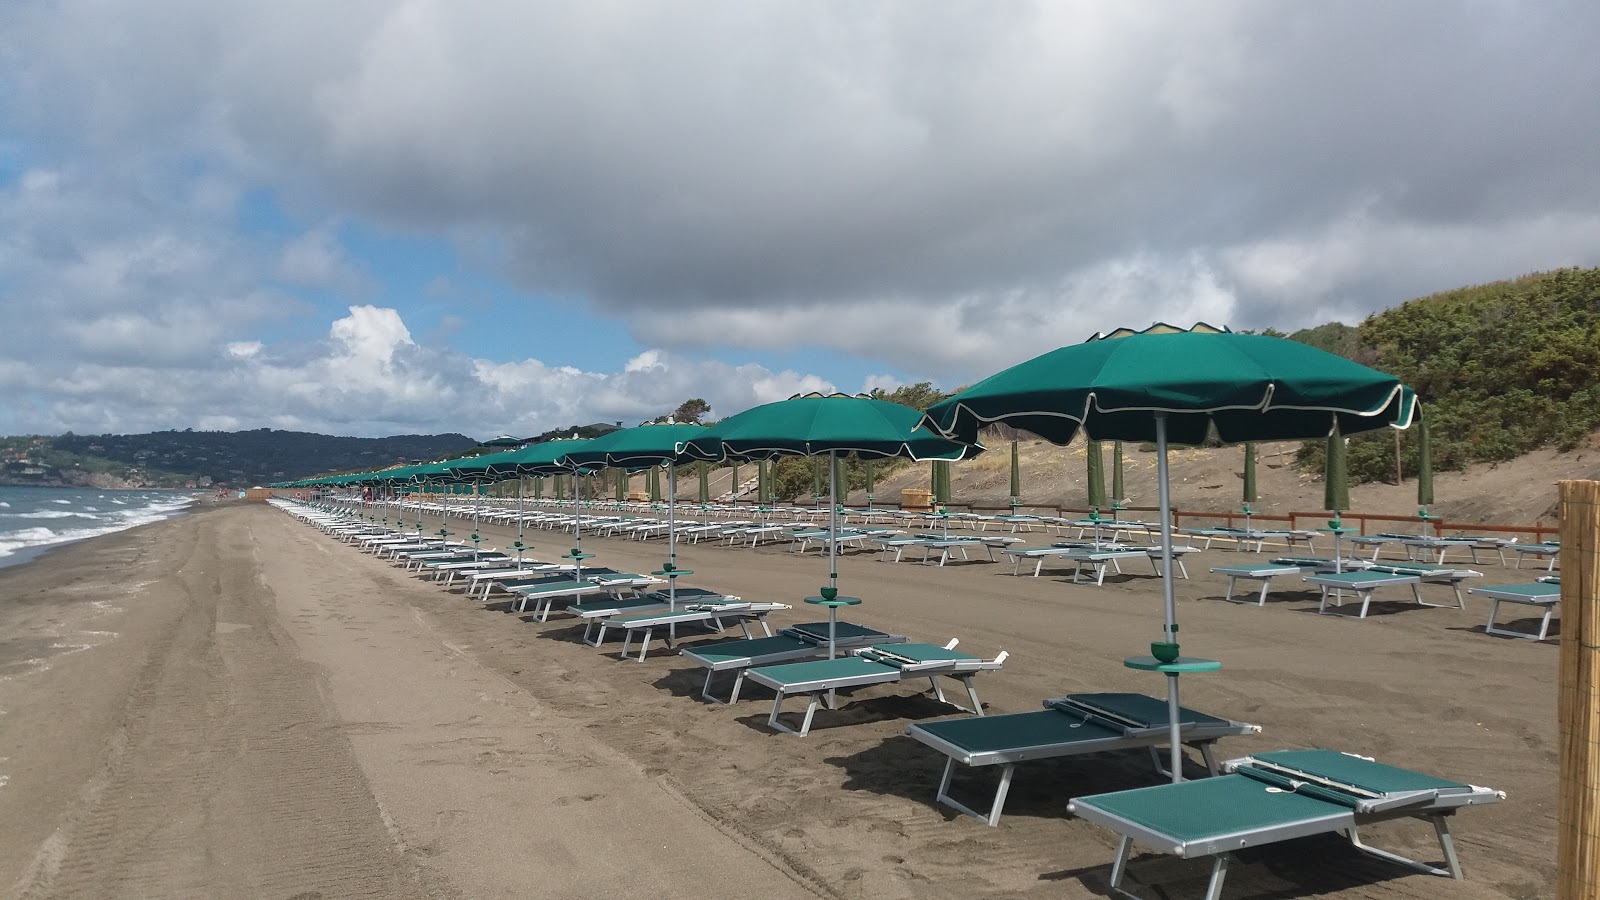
(26, 555)
(254, 656)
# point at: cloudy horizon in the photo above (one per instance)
(400, 216)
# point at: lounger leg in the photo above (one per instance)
(1445, 842)
(1544, 624)
(705, 692)
(1265, 583)
(1119, 867)
(1229, 596)
(1219, 871)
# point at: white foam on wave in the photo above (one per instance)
(5, 504)
(67, 502)
(49, 514)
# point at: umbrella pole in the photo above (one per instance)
(672, 541)
(833, 528)
(521, 514)
(1169, 599)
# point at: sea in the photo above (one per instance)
(35, 519)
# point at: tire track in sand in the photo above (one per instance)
(226, 777)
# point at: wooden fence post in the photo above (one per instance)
(1578, 805)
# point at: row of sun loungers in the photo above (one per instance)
(1249, 801)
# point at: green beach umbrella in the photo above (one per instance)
(705, 482)
(1336, 475)
(867, 470)
(1096, 463)
(816, 480)
(831, 424)
(828, 424)
(654, 446)
(1424, 466)
(1167, 385)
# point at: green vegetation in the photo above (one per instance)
(1502, 369)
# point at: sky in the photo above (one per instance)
(493, 217)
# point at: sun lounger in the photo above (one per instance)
(1426, 546)
(1067, 726)
(1263, 574)
(1097, 557)
(871, 665)
(1431, 574)
(1542, 595)
(797, 642)
(1550, 552)
(595, 610)
(1276, 797)
(544, 595)
(713, 615)
(1363, 583)
(928, 543)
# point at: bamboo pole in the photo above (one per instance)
(1578, 805)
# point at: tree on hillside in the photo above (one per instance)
(917, 396)
(690, 412)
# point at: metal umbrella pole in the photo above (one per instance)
(1169, 598)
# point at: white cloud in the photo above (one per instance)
(938, 190)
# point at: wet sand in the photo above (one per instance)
(232, 704)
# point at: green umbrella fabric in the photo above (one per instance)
(1096, 463)
(1118, 493)
(1171, 386)
(1424, 466)
(1336, 475)
(1247, 386)
(813, 424)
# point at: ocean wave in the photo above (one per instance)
(67, 502)
(5, 504)
(153, 509)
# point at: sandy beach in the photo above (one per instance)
(233, 704)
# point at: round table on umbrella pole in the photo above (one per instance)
(1172, 667)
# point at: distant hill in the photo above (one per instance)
(204, 458)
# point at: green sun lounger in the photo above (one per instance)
(1363, 583)
(797, 642)
(713, 615)
(1545, 595)
(1277, 797)
(1067, 726)
(545, 594)
(1546, 551)
(1261, 573)
(871, 665)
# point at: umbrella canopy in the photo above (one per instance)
(652, 446)
(1096, 463)
(504, 440)
(1118, 493)
(1172, 386)
(1336, 475)
(1424, 466)
(832, 424)
(1246, 386)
